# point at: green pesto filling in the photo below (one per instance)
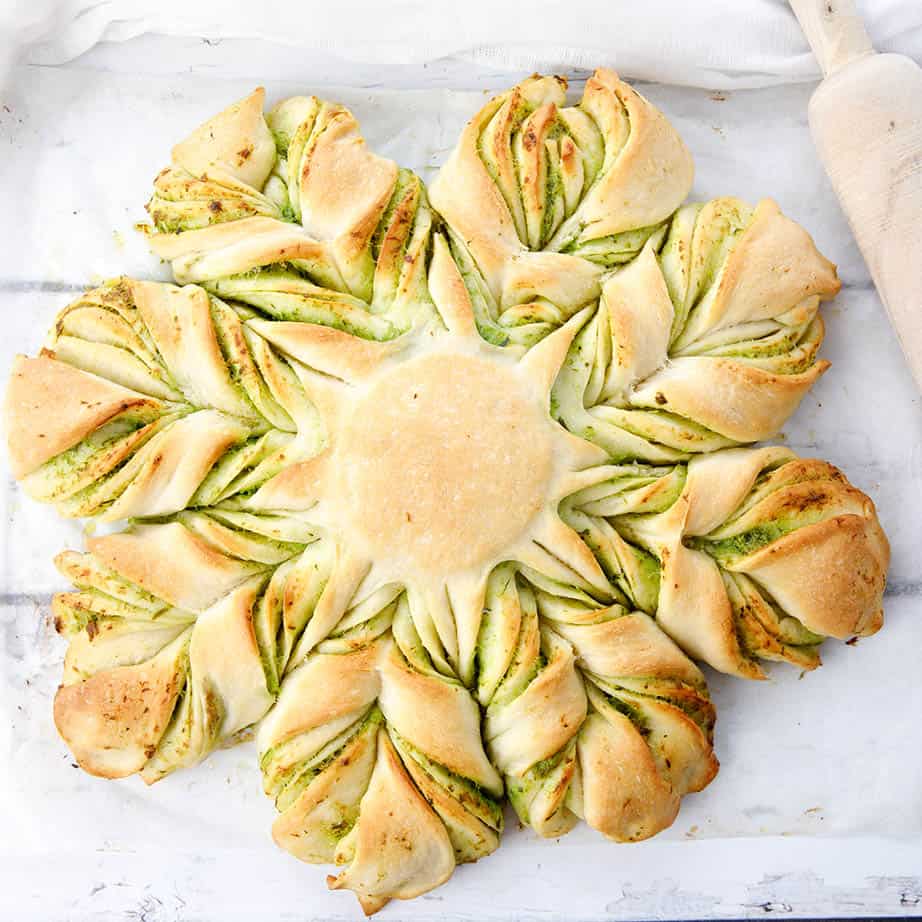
(518, 677)
(631, 711)
(107, 436)
(475, 799)
(324, 307)
(288, 785)
(519, 116)
(236, 370)
(282, 141)
(266, 640)
(475, 286)
(545, 766)
(727, 550)
(405, 180)
(642, 589)
(553, 190)
(167, 225)
(613, 250)
(519, 790)
(691, 699)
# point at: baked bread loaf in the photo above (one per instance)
(442, 490)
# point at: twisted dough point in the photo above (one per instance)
(785, 553)
(376, 763)
(150, 398)
(590, 712)
(182, 631)
(539, 197)
(291, 213)
(706, 342)
(530, 172)
(761, 554)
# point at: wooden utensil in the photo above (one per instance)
(866, 120)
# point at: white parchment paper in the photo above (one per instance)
(808, 761)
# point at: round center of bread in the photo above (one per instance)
(444, 462)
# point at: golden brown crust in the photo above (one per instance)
(830, 576)
(179, 459)
(473, 205)
(236, 140)
(640, 316)
(715, 489)
(738, 401)
(775, 264)
(623, 795)
(540, 721)
(763, 555)
(695, 611)
(251, 184)
(171, 563)
(298, 485)
(682, 749)
(114, 452)
(237, 246)
(448, 291)
(629, 645)
(329, 689)
(226, 663)
(308, 828)
(492, 189)
(51, 406)
(346, 187)
(613, 723)
(113, 721)
(651, 174)
(325, 349)
(179, 322)
(399, 848)
(448, 725)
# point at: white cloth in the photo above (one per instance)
(718, 44)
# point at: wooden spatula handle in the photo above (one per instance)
(835, 31)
